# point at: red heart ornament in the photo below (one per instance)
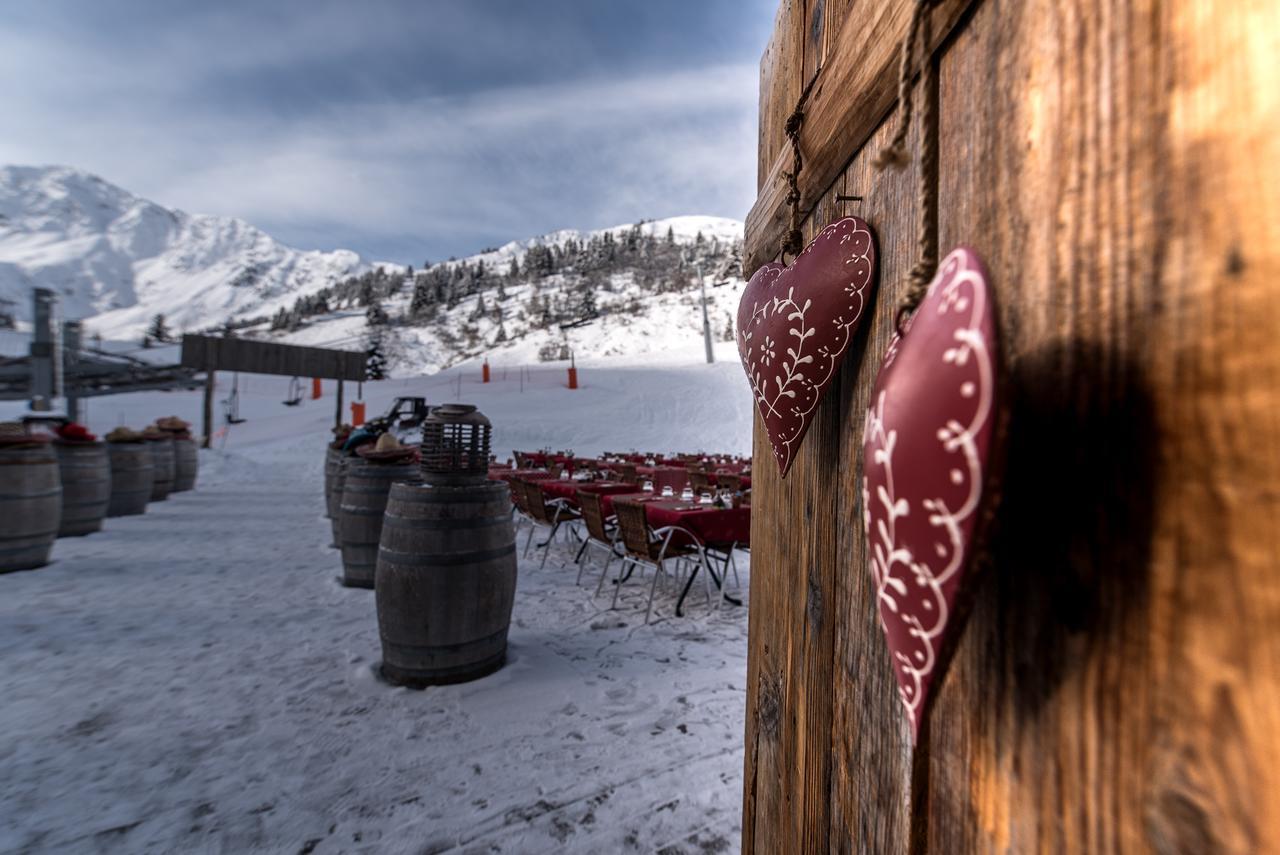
(795, 323)
(927, 443)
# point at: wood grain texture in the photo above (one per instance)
(855, 91)
(789, 673)
(781, 68)
(1118, 685)
(871, 744)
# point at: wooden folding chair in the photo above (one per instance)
(645, 546)
(550, 515)
(602, 533)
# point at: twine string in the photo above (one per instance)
(896, 156)
(793, 240)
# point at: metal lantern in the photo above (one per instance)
(455, 445)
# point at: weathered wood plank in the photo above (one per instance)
(215, 353)
(855, 91)
(871, 745)
(781, 68)
(815, 38)
(787, 784)
(1118, 687)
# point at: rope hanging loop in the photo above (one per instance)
(896, 156)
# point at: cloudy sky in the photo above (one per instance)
(403, 130)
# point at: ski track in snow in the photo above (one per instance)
(195, 679)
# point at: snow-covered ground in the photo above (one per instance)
(195, 680)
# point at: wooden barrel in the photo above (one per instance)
(30, 506)
(339, 481)
(332, 460)
(186, 464)
(446, 581)
(132, 476)
(85, 471)
(365, 486)
(162, 457)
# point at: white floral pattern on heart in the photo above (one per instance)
(918, 573)
(791, 342)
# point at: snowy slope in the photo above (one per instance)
(119, 259)
(194, 680)
(634, 318)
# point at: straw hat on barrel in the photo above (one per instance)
(14, 435)
(173, 424)
(387, 449)
(124, 434)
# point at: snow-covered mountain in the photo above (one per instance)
(630, 290)
(117, 259)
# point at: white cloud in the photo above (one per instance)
(481, 167)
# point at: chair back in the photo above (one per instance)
(537, 501)
(593, 515)
(699, 481)
(634, 529)
(555, 469)
(729, 482)
(522, 462)
(519, 496)
(627, 473)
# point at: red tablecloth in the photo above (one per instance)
(556, 489)
(711, 525)
(664, 476)
(745, 479)
(526, 474)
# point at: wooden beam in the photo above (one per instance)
(265, 357)
(209, 382)
(854, 91)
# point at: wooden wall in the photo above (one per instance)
(1117, 166)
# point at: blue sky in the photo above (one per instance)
(403, 130)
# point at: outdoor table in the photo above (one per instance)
(557, 489)
(745, 480)
(509, 475)
(664, 476)
(709, 525)
(537, 458)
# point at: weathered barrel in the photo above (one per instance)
(132, 476)
(446, 581)
(85, 471)
(186, 464)
(339, 481)
(30, 506)
(332, 459)
(162, 457)
(365, 486)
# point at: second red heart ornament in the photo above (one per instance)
(795, 323)
(928, 447)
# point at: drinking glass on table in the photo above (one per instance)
(648, 487)
(705, 499)
(686, 493)
(667, 491)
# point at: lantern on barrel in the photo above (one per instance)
(446, 574)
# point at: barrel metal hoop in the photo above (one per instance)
(447, 559)
(459, 647)
(56, 491)
(444, 525)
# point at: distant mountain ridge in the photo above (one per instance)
(117, 259)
